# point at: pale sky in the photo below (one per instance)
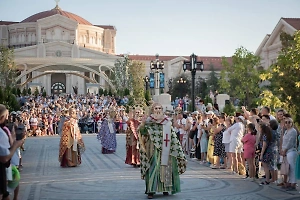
(172, 27)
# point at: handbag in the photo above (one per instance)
(285, 167)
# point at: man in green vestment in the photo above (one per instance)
(161, 155)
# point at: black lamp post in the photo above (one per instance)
(146, 80)
(193, 65)
(181, 81)
(157, 65)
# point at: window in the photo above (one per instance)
(58, 88)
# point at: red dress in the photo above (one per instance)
(132, 149)
(249, 145)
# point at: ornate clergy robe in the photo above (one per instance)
(162, 158)
(107, 136)
(71, 144)
(132, 149)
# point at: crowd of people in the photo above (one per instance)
(243, 144)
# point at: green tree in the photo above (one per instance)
(18, 92)
(105, 92)
(207, 100)
(136, 71)
(229, 109)
(284, 74)
(36, 92)
(212, 79)
(109, 92)
(201, 88)
(181, 86)
(240, 78)
(147, 96)
(1, 95)
(24, 92)
(14, 90)
(7, 67)
(44, 94)
(120, 77)
(29, 91)
(100, 91)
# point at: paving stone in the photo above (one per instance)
(108, 177)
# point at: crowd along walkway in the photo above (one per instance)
(107, 177)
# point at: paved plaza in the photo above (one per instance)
(107, 177)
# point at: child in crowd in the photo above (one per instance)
(249, 149)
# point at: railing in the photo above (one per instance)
(58, 40)
(17, 46)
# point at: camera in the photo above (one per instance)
(20, 132)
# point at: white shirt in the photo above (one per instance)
(33, 121)
(226, 137)
(4, 141)
(199, 127)
(289, 141)
(272, 117)
(236, 131)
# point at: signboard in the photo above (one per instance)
(151, 81)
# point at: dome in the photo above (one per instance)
(54, 11)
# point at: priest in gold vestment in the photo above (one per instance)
(161, 155)
(71, 143)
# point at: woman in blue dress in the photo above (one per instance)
(107, 133)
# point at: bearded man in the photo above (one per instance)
(71, 143)
(132, 145)
(162, 158)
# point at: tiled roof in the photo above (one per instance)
(294, 22)
(55, 11)
(7, 22)
(207, 60)
(106, 27)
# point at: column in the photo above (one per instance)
(48, 84)
(68, 83)
(39, 34)
(157, 82)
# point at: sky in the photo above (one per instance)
(172, 27)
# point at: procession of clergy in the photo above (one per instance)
(151, 144)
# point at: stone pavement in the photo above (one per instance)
(107, 177)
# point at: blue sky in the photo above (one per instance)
(172, 27)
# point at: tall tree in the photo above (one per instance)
(240, 78)
(120, 76)
(201, 87)
(212, 79)
(7, 67)
(136, 71)
(180, 89)
(284, 74)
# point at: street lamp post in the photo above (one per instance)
(157, 65)
(146, 80)
(193, 65)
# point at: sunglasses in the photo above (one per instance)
(288, 122)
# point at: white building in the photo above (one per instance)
(271, 45)
(59, 50)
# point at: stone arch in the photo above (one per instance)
(101, 74)
(45, 73)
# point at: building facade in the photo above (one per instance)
(271, 45)
(58, 51)
(62, 52)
